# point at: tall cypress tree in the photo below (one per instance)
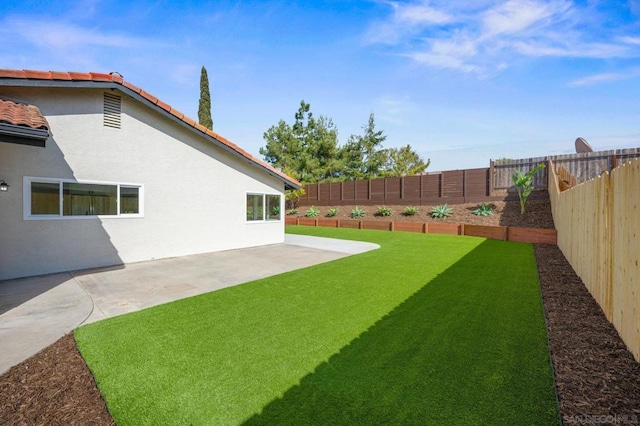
(204, 105)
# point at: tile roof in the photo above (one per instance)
(22, 115)
(72, 77)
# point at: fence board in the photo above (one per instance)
(392, 190)
(349, 190)
(476, 183)
(377, 189)
(335, 191)
(362, 190)
(411, 189)
(431, 188)
(324, 192)
(453, 184)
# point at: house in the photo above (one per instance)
(95, 171)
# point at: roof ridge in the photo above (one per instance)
(116, 78)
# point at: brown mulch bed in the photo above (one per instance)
(597, 378)
(53, 387)
(505, 213)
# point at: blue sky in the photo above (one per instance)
(461, 81)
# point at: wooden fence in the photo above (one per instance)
(598, 224)
(583, 166)
(453, 187)
(460, 186)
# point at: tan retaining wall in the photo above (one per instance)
(506, 233)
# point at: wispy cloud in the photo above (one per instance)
(606, 78)
(490, 35)
(60, 35)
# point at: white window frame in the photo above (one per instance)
(265, 213)
(26, 207)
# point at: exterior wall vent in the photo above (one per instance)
(112, 109)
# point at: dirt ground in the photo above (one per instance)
(538, 214)
(597, 378)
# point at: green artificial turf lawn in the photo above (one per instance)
(428, 329)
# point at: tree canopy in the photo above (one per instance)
(308, 150)
(204, 104)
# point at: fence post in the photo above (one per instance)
(491, 182)
(464, 185)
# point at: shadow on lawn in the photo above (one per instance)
(467, 348)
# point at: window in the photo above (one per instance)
(273, 207)
(86, 199)
(129, 200)
(45, 198)
(261, 207)
(51, 198)
(255, 208)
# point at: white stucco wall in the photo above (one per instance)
(194, 192)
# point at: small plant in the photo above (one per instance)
(524, 184)
(275, 211)
(313, 212)
(333, 212)
(292, 211)
(441, 211)
(410, 211)
(483, 210)
(384, 211)
(357, 212)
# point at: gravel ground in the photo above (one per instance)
(597, 378)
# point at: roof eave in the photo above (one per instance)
(23, 135)
(174, 115)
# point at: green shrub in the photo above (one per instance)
(275, 211)
(410, 211)
(313, 212)
(357, 212)
(292, 211)
(384, 211)
(524, 184)
(333, 212)
(483, 210)
(441, 211)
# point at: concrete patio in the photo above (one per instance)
(37, 311)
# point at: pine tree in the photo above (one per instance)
(204, 105)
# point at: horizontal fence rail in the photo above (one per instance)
(598, 225)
